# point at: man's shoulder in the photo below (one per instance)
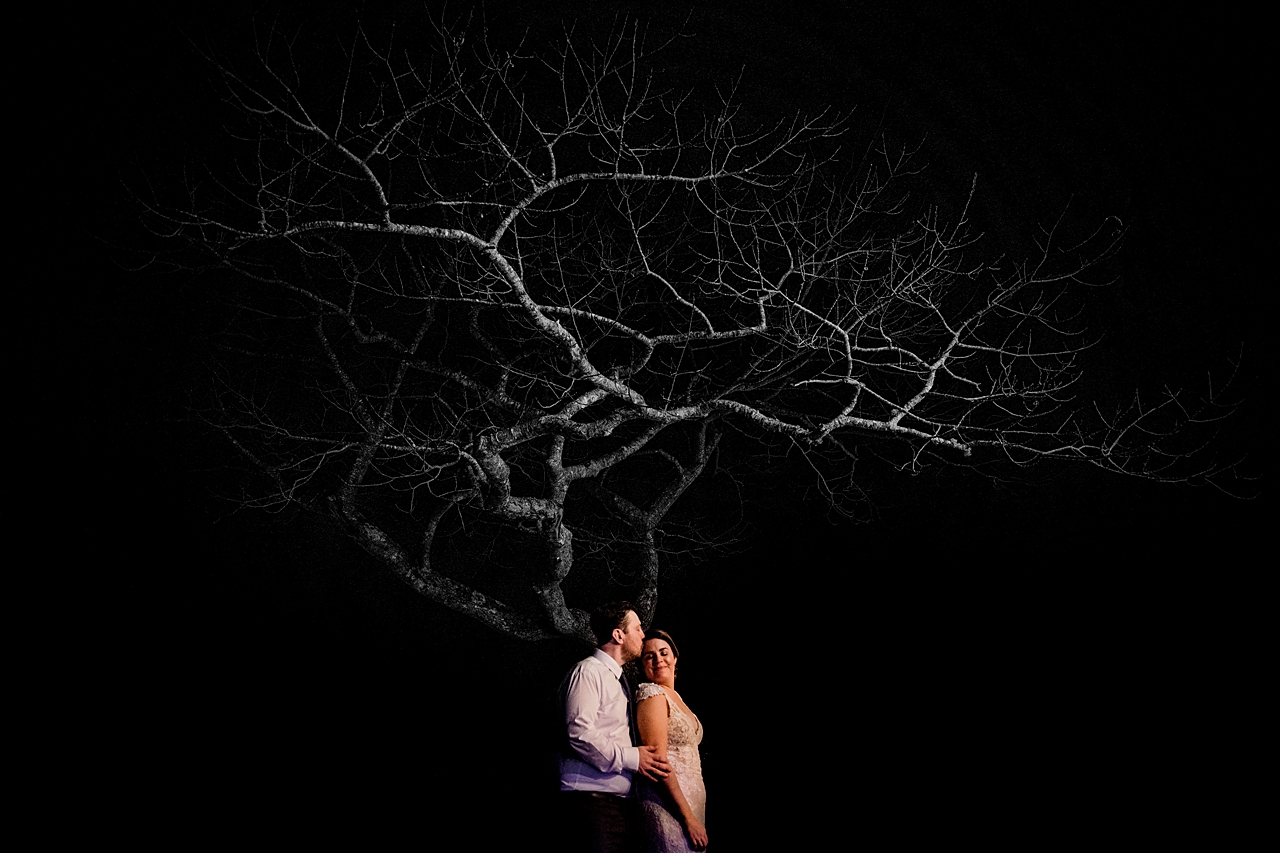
(591, 662)
(595, 658)
(590, 669)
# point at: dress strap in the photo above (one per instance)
(647, 690)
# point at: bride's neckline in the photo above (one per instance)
(679, 704)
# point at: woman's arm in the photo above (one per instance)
(652, 718)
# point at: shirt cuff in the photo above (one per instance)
(631, 758)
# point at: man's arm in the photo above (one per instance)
(584, 697)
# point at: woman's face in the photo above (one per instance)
(659, 661)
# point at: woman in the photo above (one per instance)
(673, 811)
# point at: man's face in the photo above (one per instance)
(632, 637)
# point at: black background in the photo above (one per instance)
(1019, 663)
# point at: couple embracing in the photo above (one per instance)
(632, 777)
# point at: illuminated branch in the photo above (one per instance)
(475, 286)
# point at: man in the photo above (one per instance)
(596, 771)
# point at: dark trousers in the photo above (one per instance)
(599, 823)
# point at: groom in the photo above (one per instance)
(596, 771)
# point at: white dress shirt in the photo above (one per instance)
(595, 713)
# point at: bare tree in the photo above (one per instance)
(519, 302)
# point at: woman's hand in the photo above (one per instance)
(697, 833)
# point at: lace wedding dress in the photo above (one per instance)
(663, 831)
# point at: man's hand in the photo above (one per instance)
(653, 765)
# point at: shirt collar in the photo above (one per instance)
(609, 662)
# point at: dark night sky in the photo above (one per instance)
(1067, 649)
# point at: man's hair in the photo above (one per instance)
(606, 617)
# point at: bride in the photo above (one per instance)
(673, 811)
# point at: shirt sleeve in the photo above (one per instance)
(594, 739)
